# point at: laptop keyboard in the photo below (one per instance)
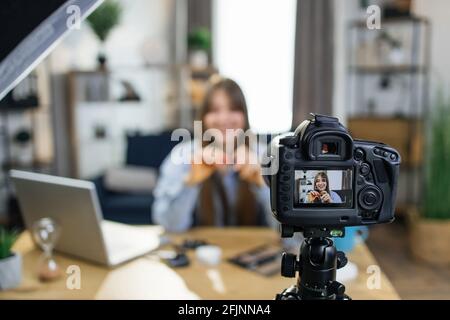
(121, 238)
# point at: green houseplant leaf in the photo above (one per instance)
(105, 18)
(437, 165)
(199, 39)
(7, 240)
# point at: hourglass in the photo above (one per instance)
(46, 233)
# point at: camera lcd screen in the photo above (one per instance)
(324, 188)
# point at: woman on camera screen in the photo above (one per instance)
(212, 188)
(322, 192)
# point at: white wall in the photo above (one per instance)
(144, 29)
(344, 12)
(144, 37)
(254, 45)
(437, 11)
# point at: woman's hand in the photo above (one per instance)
(214, 157)
(313, 196)
(325, 197)
(246, 163)
(204, 163)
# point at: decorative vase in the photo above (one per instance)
(198, 59)
(10, 272)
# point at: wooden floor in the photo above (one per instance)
(413, 280)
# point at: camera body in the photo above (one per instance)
(327, 180)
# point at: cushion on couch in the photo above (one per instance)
(147, 151)
(131, 179)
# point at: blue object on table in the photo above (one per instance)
(353, 236)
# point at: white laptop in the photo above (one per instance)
(74, 205)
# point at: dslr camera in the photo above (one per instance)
(326, 180)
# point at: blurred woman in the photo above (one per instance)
(214, 189)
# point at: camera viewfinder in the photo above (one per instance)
(329, 147)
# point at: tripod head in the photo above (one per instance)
(317, 264)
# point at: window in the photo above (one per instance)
(254, 43)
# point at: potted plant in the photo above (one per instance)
(199, 44)
(430, 226)
(102, 21)
(10, 262)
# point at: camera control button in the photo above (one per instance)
(359, 154)
(365, 169)
(386, 154)
(393, 157)
(377, 151)
(370, 198)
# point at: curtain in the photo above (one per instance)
(313, 66)
(199, 14)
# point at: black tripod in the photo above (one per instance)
(317, 265)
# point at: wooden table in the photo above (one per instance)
(148, 278)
